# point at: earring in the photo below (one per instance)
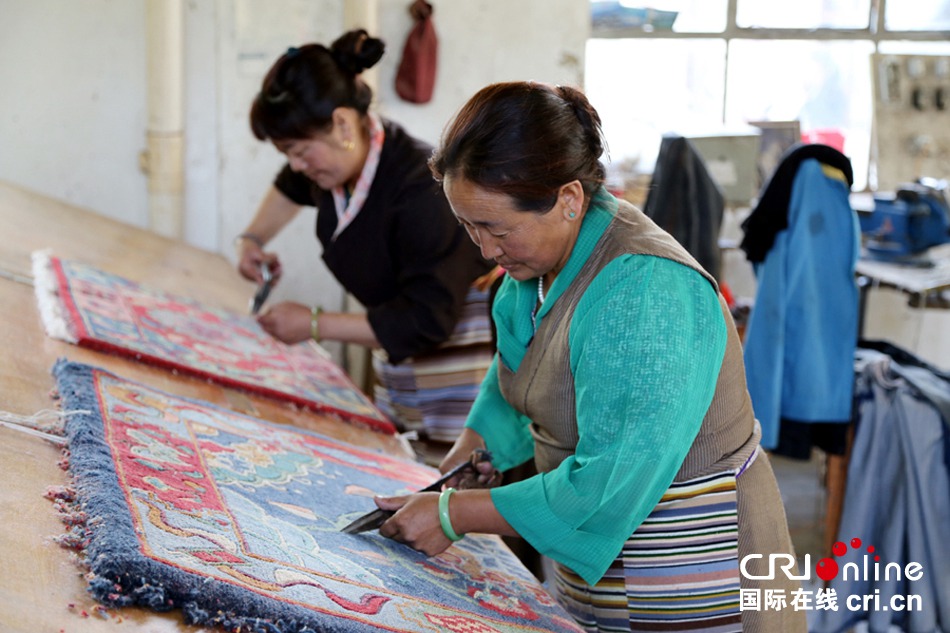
(572, 214)
(349, 145)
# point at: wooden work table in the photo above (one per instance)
(41, 588)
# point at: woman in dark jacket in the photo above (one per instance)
(387, 232)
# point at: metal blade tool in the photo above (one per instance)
(377, 517)
(264, 290)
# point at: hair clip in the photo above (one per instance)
(278, 97)
(292, 52)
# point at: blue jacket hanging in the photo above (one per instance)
(800, 341)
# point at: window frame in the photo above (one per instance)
(875, 32)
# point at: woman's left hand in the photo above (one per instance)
(286, 321)
(416, 522)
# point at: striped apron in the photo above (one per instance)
(432, 393)
(679, 571)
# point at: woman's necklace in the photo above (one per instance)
(534, 313)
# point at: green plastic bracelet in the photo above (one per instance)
(444, 515)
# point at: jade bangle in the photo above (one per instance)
(444, 515)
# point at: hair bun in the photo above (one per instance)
(355, 51)
(588, 117)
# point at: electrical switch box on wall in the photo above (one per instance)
(911, 119)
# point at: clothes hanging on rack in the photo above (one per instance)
(800, 340)
(770, 215)
(686, 202)
(898, 494)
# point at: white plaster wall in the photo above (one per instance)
(480, 42)
(202, 155)
(72, 102)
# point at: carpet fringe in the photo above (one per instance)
(46, 288)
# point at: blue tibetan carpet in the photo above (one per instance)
(237, 523)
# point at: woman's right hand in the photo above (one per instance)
(252, 257)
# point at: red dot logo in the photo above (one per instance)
(826, 569)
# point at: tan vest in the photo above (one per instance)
(543, 387)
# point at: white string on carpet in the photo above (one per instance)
(55, 439)
(45, 423)
(17, 277)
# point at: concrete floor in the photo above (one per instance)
(803, 494)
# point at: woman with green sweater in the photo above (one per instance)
(619, 371)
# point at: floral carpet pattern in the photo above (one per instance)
(236, 522)
(99, 310)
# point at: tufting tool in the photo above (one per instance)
(264, 290)
(377, 517)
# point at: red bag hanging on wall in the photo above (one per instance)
(415, 78)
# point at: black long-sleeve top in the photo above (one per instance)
(404, 257)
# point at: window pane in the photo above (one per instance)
(913, 48)
(804, 14)
(644, 88)
(685, 16)
(826, 86)
(917, 15)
